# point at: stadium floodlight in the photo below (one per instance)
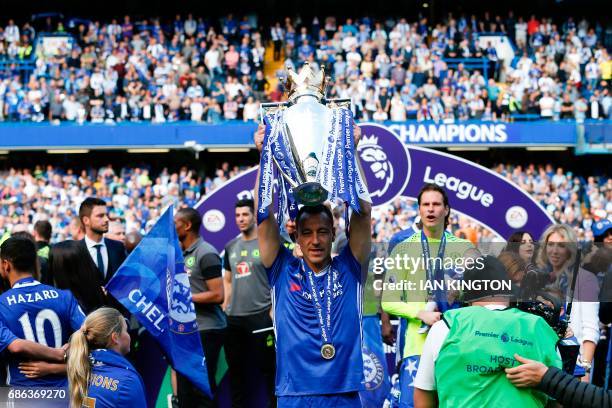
(67, 151)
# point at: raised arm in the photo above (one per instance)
(360, 235)
(267, 231)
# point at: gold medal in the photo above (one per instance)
(328, 351)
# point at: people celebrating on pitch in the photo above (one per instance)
(36, 312)
(317, 307)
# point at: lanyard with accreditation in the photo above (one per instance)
(435, 273)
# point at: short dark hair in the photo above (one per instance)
(434, 187)
(43, 229)
(23, 235)
(192, 216)
(87, 206)
(21, 252)
(311, 210)
(246, 202)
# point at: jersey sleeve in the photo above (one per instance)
(274, 271)
(132, 392)
(210, 266)
(6, 337)
(75, 312)
(351, 263)
(425, 378)
(226, 262)
(397, 301)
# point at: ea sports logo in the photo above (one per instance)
(385, 162)
(213, 220)
(516, 217)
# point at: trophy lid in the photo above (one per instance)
(306, 82)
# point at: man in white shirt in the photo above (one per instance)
(546, 106)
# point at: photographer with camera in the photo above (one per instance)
(465, 354)
(558, 252)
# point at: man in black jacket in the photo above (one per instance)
(565, 388)
(107, 255)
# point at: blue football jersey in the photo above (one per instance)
(300, 368)
(113, 382)
(43, 314)
(6, 337)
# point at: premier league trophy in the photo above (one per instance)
(309, 145)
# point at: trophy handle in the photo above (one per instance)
(338, 103)
(268, 107)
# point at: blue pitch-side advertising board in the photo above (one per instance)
(240, 134)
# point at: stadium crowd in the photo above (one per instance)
(135, 198)
(192, 69)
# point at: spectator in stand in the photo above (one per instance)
(558, 60)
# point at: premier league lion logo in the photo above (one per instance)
(385, 163)
(182, 311)
(372, 154)
(373, 370)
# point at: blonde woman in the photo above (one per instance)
(98, 374)
(558, 248)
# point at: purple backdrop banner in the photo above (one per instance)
(393, 170)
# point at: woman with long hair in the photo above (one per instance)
(98, 373)
(558, 251)
(522, 243)
(69, 268)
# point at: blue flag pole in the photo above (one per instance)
(153, 286)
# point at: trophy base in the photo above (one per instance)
(310, 193)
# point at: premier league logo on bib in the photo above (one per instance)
(182, 311)
(385, 161)
(373, 370)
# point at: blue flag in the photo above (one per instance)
(376, 375)
(153, 286)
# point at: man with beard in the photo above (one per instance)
(317, 305)
(106, 254)
(250, 340)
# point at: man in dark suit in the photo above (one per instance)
(106, 254)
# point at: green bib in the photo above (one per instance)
(480, 344)
(43, 252)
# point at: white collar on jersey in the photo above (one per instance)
(25, 284)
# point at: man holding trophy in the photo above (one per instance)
(316, 299)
